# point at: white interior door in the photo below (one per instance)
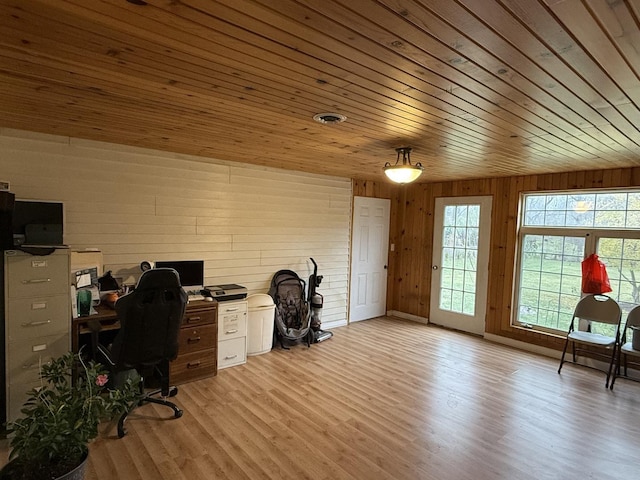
(460, 264)
(369, 255)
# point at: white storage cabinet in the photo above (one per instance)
(232, 333)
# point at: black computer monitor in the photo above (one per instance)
(191, 272)
(37, 222)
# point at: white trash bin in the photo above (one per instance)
(260, 320)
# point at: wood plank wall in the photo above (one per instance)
(245, 222)
(412, 232)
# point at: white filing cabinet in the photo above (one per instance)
(232, 333)
(37, 319)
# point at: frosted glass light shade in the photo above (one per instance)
(403, 173)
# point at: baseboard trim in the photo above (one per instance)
(407, 316)
(529, 347)
(334, 324)
(547, 352)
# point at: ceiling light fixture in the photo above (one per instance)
(329, 118)
(403, 172)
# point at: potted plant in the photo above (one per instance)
(61, 417)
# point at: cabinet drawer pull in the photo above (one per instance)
(36, 280)
(229, 332)
(231, 309)
(230, 357)
(193, 340)
(29, 366)
(36, 324)
(193, 365)
(193, 319)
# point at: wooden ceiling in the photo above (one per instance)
(478, 88)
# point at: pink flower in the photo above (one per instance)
(101, 380)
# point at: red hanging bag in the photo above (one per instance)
(594, 276)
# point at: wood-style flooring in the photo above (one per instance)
(386, 399)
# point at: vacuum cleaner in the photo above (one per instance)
(316, 301)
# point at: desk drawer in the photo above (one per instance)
(193, 339)
(24, 358)
(192, 366)
(16, 396)
(232, 325)
(32, 276)
(199, 316)
(37, 317)
(232, 307)
(232, 352)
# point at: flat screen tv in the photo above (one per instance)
(191, 273)
(36, 222)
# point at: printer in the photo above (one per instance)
(226, 292)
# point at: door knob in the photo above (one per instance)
(435, 267)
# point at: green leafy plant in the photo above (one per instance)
(61, 417)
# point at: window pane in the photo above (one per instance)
(609, 219)
(449, 215)
(461, 215)
(471, 260)
(456, 302)
(459, 258)
(469, 303)
(461, 237)
(458, 279)
(470, 282)
(550, 281)
(446, 278)
(621, 257)
(600, 210)
(531, 278)
(445, 299)
(474, 216)
(472, 237)
(611, 201)
(447, 257)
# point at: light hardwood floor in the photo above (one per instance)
(386, 399)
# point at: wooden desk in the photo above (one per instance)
(198, 341)
(107, 317)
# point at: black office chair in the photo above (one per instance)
(150, 318)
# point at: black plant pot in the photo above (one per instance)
(13, 471)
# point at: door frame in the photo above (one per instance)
(451, 319)
(372, 201)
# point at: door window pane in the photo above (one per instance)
(459, 258)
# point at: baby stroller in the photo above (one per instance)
(292, 320)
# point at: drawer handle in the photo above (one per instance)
(193, 340)
(229, 332)
(36, 324)
(230, 357)
(36, 280)
(231, 309)
(193, 319)
(29, 366)
(193, 365)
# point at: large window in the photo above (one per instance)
(557, 231)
